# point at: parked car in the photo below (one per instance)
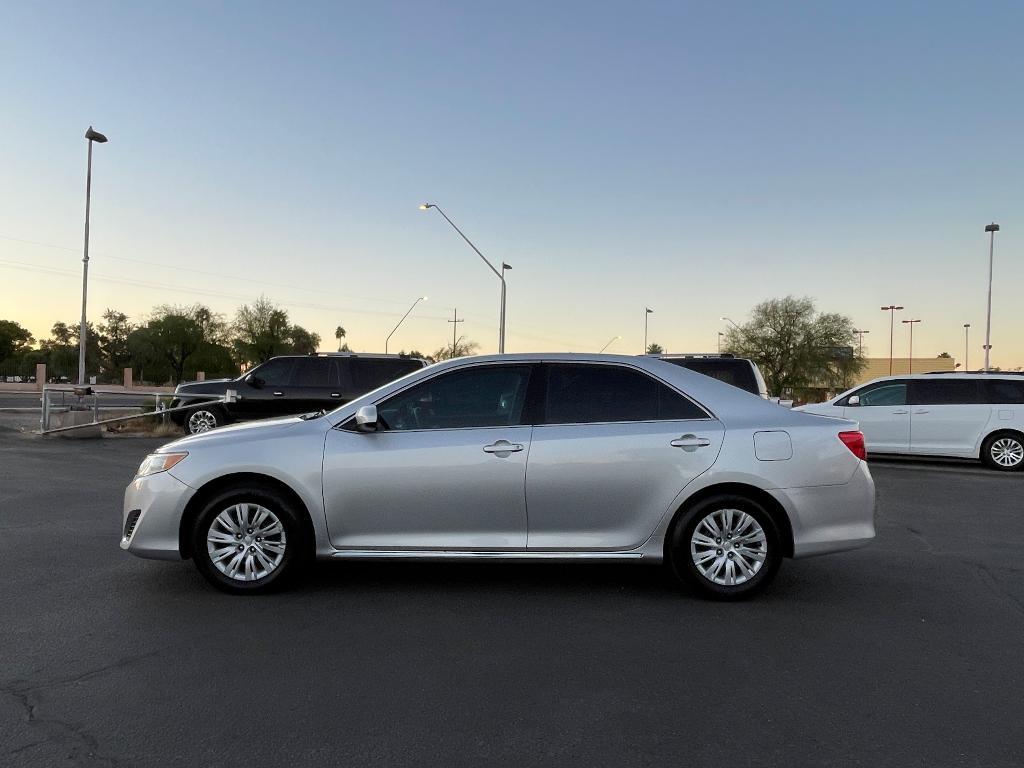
(737, 371)
(290, 384)
(616, 458)
(977, 416)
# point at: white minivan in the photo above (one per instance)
(954, 414)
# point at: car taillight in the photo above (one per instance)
(855, 442)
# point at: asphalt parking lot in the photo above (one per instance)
(907, 653)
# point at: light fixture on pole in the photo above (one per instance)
(991, 229)
(647, 313)
(860, 342)
(610, 342)
(99, 138)
(892, 309)
(421, 298)
(910, 361)
(500, 275)
(967, 346)
(731, 322)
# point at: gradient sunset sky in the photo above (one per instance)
(695, 158)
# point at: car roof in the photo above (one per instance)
(940, 375)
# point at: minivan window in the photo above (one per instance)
(946, 392)
(1003, 391)
(578, 394)
(736, 372)
(886, 393)
(368, 373)
(485, 396)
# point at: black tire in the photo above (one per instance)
(682, 562)
(296, 544)
(203, 418)
(995, 454)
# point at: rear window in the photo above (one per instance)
(736, 372)
(368, 374)
(1003, 391)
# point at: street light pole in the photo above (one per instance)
(860, 342)
(610, 341)
(500, 275)
(910, 362)
(720, 335)
(892, 309)
(647, 313)
(91, 136)
(967, 347)
(731, 322)
(991, 229)
(421, 298)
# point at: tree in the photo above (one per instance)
(339, 334)
(178, 339)
(461, 348)
(14, 339)
(61, 351)
(262, 331)
(417, 353)
(796, 346)
(945, 356)
(113, 342)
(655, 349)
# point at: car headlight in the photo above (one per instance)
(159, 462)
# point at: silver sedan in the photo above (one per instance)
(514, 457)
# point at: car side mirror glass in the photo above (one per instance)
(853, 400)
(254, 381)
(366, 419)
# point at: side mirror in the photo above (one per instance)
(254, 381)
(366, 419)
(853, 400)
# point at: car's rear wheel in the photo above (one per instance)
(725, 547)
(249, 540)
(1004, 451)
(203, 418)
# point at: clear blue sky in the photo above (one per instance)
(691, 157)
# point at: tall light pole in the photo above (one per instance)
(99, 138)
(421, 298)
(910, 361)
(720, 335)
(647, 313)
(612, 340)
(500, 275)
(860, 342)
(967, 347)
(991, 229)
(892, 309)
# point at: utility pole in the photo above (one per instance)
(455, 327)
(892, 309)
(991, 229)
(911, 360)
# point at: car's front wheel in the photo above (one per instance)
(726, 547)
(249, 540)
(203, 418)
(1004, 451)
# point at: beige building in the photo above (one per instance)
(901, 366)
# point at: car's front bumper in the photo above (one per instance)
(831, 518)
(160, 501)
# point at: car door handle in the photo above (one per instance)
(690, 442)
(921, 411)
(899, 413)
(279, 394)
(503, 446)
(335, 394)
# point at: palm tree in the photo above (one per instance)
(339, 334)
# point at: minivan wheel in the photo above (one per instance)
(1004, 451)
(202, 419)
(726, 547)
(248, 540)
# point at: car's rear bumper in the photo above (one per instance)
(160, 501)
(831, 518)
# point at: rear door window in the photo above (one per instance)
(946, 392)
(312, 372)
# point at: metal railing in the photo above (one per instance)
(83, 394)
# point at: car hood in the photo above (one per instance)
(204, 387)
(246, 431)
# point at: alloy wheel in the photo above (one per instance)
(1007, 452)
(246, 542)
(728, 547)
(201, 421)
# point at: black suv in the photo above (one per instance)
(287, 385)
(737, 371)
